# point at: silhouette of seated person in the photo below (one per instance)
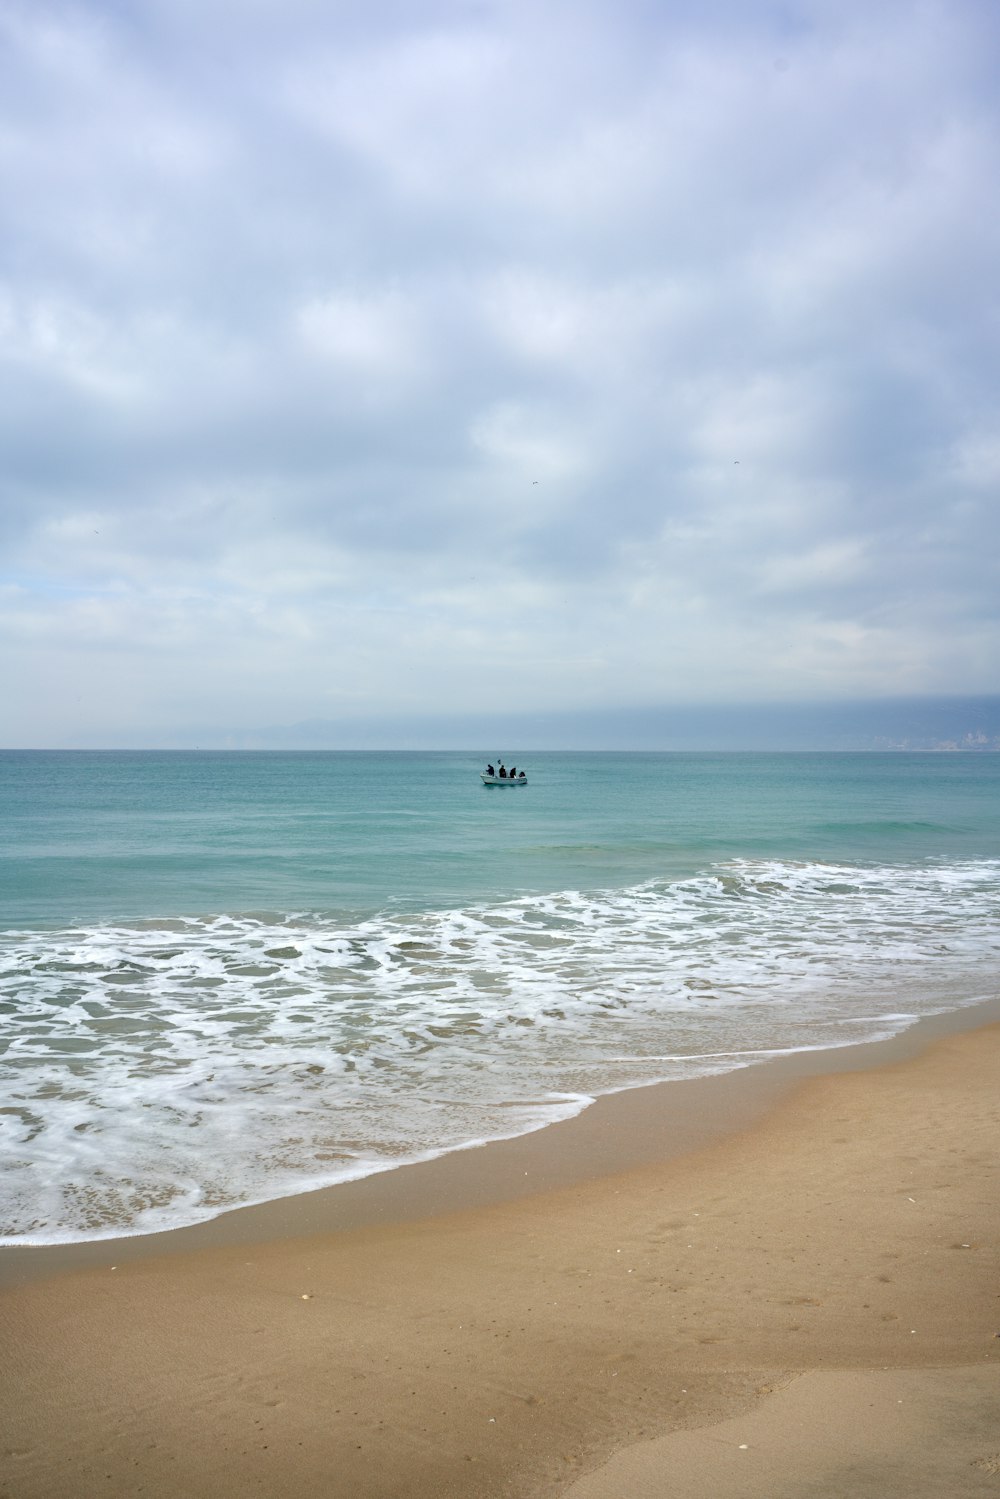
(502, 773)
(490, 771)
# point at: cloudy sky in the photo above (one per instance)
(361, 362)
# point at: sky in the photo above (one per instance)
(371, 364)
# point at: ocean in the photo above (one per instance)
(227, 978)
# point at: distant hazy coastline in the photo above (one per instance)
(937, 724)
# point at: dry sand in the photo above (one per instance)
(807, 1306)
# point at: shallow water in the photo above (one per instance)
(227, 978)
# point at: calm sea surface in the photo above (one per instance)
(226, 978)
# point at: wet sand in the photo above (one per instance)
(753, 1272)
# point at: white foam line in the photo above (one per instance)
(573, 1104)
(721, 1056)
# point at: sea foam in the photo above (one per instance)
(160, 1073)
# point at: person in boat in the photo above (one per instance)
(501, 772)
(513, 772)
(490, 771)
(521, 776)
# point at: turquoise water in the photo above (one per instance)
(102, 836)
(228, 977)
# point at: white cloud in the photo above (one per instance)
(528, 448)
(375, 338)
(393, 100)
(297, 306)
(821, 567)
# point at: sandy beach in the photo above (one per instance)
(799, 1297)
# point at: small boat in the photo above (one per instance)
(494, 780)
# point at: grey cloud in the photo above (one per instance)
(475, 323)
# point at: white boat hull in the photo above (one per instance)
(517, 780)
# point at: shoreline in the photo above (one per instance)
(805, 1301)
(656, 1122)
